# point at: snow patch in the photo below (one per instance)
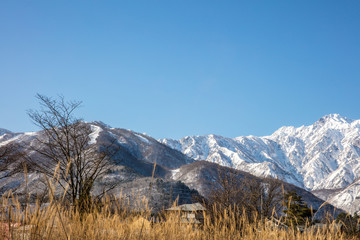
(174, 172)
(121, 140)
(30, 133)
(95, 134)
(142, 138)
(10, 140)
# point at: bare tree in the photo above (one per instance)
(272, 196)
(254, 196)
(226, 189)
(65, 145)
(9, 155)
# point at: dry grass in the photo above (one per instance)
(113, 221)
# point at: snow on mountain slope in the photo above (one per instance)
(13, 138)
(348, 198)
(324, 155)
(95, 133)
(261, 157)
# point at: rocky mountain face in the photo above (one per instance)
(323, 156)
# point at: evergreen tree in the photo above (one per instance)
(351, 224)
(296, 210)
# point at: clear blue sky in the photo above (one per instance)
(177, 68)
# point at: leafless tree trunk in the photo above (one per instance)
(273, 196)
(252, 195)
(65, 144)
(227, 189)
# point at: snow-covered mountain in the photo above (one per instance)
(135, 150)
(132, 167)
(324, 155)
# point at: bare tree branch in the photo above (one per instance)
(247, 194)
(66, 144)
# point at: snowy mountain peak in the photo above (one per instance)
(334, 119)
(287, 130)
(324, 124)
(324, 155)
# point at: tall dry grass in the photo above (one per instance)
(112, 220)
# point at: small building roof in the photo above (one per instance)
(188, 207)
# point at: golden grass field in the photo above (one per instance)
(113, 221)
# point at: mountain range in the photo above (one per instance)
(322, 158)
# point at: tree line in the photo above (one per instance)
(262, 198)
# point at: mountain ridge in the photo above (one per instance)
(260, 156)
(324, 155)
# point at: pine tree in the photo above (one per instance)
(296, 210)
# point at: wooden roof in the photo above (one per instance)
(188, 208)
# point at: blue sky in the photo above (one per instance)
(177, 68)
